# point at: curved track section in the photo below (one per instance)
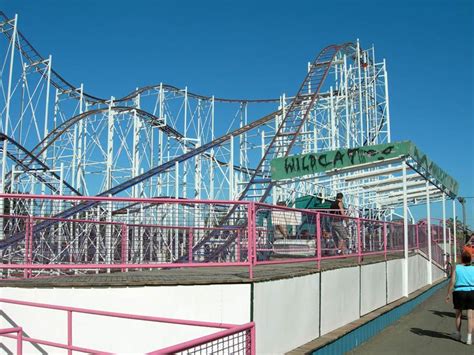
(33, 56)
(55, 134)
(32, 159)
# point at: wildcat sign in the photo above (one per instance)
(312, 163)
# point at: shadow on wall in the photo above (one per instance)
(25, 334)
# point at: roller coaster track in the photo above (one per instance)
(260, 183)
(148, 174)
(38, 173)
(34, 57)
(56, 133)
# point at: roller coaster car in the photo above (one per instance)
(294, 247)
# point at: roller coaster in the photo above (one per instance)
(161, 141)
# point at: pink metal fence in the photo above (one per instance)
(111, 234)
(230, 339)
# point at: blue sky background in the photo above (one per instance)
(260, 49)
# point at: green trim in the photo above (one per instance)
(422, 161)
(313, 163)
(252, 296)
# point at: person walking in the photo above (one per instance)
(338, 228)
(462, 282)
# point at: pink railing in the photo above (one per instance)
(235, 339)
(121, 234)
(18, 336)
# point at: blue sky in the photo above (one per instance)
(260, 49)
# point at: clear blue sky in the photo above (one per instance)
(258, 49)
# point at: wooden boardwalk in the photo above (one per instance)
(191, 276)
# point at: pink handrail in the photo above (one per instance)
(118, 314)
(229, 329)
(19, 337)
(207, 339)
(370, 237)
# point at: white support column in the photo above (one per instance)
(332, 114)
(346, 102)
(405, 231)
(176, 180)
(368, 125)
(80, 142)
(428, 219)
(454, 232)
(160, 138)
(109, 165)
(197, 159)
(61, 208)
(46, 108)
(110, 146)
(135, 150)
(361, 113)
(7, 121)
(211, 161)
(185, 163)
(231, 169)
(387, 113)
(444, 228)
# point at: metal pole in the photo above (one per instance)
(387, 114)
(135, 150)
(333, 120)
(428, 218)
(405, 231)
(5, 126)
(211, 161)
(160, 138)
(185, 163)
(231, 170)
(176, 180)
(360, 95)
(346, 102)
(444, 228)
(110, 145)
(46, 109)
(462, 201)
(454, 232)
(80, 142)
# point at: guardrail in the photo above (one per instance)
(121, 234)
(230, 338)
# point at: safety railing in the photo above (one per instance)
(18, 336)
(228, 339)
(52, 235)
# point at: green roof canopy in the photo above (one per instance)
(312, 163)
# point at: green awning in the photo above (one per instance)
(312, 163)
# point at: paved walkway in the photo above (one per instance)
(426, 330)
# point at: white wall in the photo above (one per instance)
(394, 280)
(339, 298)
(213, 303)
(417, 273)
(438, 274)
(286, 313)
(373, 287)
